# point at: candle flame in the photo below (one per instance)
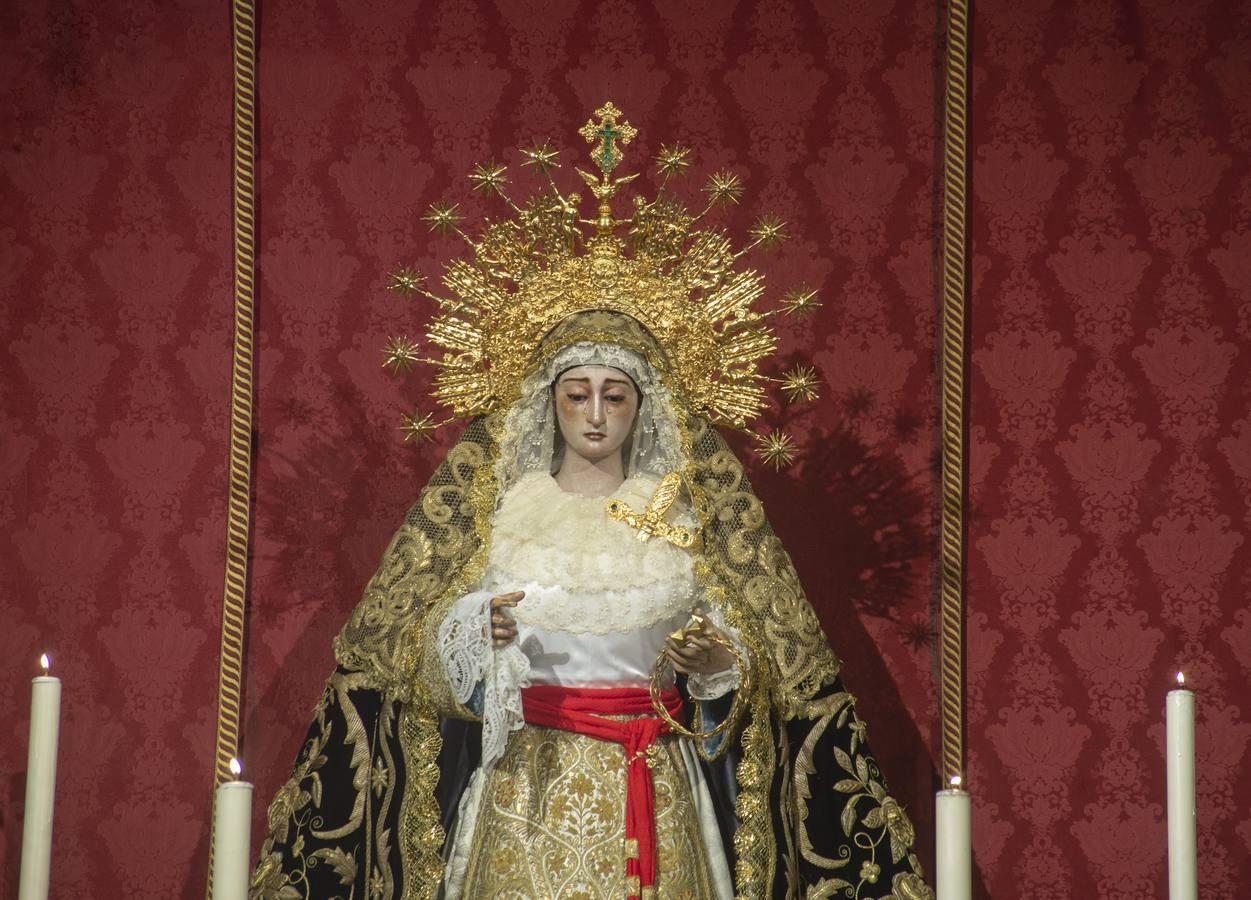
(1181, 679)
(236, 768)
(955, 782)
(45, 662)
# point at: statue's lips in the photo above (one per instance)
(594, 436)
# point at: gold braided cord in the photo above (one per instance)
(951, 527)
(230, 673)
(238, 515)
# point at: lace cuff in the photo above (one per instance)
(713, 685)
(470, 661)
(717, 684)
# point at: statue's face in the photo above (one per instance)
(595, 406)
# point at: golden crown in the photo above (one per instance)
(544, 263)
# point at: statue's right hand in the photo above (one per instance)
(503, 625)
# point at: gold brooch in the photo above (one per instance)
(652, 520)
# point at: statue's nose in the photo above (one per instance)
(595, 412)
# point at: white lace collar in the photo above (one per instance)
(582, 571)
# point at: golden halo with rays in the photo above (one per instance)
(545, 262)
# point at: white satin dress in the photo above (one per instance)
(543, 811)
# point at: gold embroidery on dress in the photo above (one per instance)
(552, 822)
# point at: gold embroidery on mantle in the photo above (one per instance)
(297, 805)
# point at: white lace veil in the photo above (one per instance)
(530, 440)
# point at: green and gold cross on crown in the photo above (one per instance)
(610, 133)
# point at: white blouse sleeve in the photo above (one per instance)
(470, 660)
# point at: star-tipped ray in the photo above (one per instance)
(443, 217)
(723, 187)
(489, 178)
(401, 354)
(418, 427)
(801, 302)
(769, 231)
(800, 383)
(543, 157)
(406, 281)
(776, 448)
(672, 160)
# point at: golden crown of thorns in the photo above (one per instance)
(545, 262)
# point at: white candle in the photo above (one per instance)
(45, 722)
(1183, 873)
(954, 857)
(232, 838)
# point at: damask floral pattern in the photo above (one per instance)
(1109, 368)
(114, 329)
(1110, 427)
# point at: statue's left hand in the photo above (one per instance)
(700, 653)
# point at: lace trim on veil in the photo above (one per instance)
(529, 439)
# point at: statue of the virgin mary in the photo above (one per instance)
(585, 666)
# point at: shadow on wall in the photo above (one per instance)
(311, 492)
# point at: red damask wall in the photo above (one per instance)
(1110, 338)
(114, 334)
(1111, 439)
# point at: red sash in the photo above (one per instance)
(581, 711)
